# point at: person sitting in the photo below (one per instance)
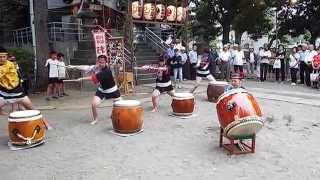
(236, 82)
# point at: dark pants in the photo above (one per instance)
(186, 70)
(193, 72)
(277, 71)
(282, 70)
(263, 71)
(305, 71)
(293, 72)
(238, 69)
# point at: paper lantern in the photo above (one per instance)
(171, 13)
(161, 12)
(136, 10)
(181, 14)
(149, 12)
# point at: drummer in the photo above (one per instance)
(11, 90)
(107, 89)
(236, 82)
(203, 69)
(163, 83)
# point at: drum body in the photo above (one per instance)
(183, 104)
(149, 12)
(26, 127)
(181, 14)
(127, 116)
(161, 12)
(136, 10)
(171, 13)
(215, 89)
(239, 114)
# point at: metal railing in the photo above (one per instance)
(155, 40)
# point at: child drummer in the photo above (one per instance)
(236, 82)
(11, 90)
(163, 82)
(203, 70)
(107, 89)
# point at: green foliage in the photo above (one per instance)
(13, 14)
(24, 59)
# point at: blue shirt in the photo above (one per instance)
(170, 52)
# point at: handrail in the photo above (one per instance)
(156, 40)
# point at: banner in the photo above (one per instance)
(100, 43)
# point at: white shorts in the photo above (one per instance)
(11, 101)
(156, 92)
(209, 77)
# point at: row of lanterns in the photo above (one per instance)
(158, 12)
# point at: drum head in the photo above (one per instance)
(127, 103)
(228, 93)
(182, 96)
(20, 116)
(244, 128)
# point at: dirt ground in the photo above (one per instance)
(287, 147)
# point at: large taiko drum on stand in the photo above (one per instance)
(171, 13)
(136, 10)
(215, 89)
(160, 12)
(239, 114)
(149, 11)
(26, 127)
(181, 14)
(127, 116)
(183, 104)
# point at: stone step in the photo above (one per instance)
(146, 81)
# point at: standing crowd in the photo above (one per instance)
(266, 64)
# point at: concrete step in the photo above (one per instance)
(146, 81)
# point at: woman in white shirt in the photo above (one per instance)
(294, 65)
(238, 60)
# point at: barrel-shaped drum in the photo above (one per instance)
(26, 127)
(239, 114)
(183, 104)
(149, 12)
(136, 10)
(181, 14)
(171, 13)
(215, 89)
(161, 12)
(127, 116)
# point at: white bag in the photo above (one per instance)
(314, 76)
(277, 64)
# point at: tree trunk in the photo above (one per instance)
(42, 42)
(225, 33)
(313, 38)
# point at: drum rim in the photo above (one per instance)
(242, 121)
(185, 97)
(228, 93)
(138, 103)
(37, 113)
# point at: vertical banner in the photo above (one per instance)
(100, 43)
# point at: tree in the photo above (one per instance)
(14, 14)
(220, 16)
(296, 19)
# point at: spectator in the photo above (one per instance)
(251, 60)
(193, 57)
(52, 65)
(311, 53)
(62, 75)
(186, 64)
(224, 59)
(177, 68)
(238, 60)
(294, 65)
(264, 64)
(303, 66)
(281, 56)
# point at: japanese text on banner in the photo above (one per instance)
(100, 43)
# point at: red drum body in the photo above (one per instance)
(136, 10)
(171, 13)
(161, 12)
(239, 114)
(26, 127)
(149, 12)
(215, 89)
(181, 14)
(127, 116)
(183, 104)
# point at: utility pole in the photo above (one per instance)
(40, 39)
(33, 41)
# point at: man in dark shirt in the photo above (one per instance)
(107, 88)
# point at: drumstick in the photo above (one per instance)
(71, 80)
